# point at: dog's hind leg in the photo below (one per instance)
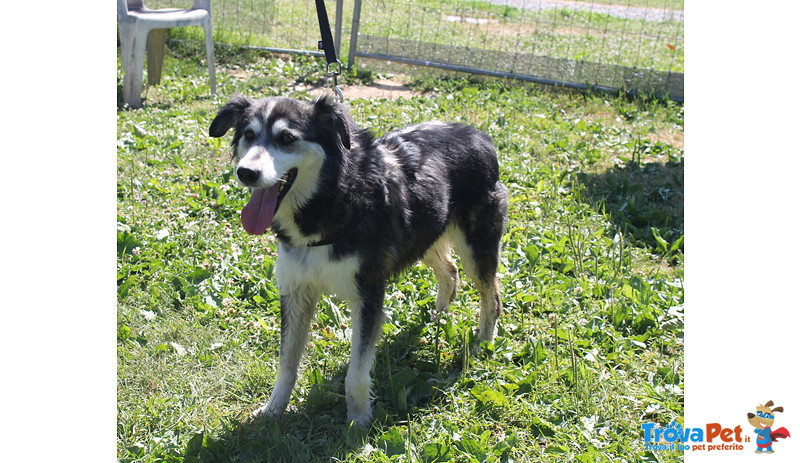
(440, 260)
(491, 308)
(478, 241)
(297, 308)
(483, 272)
(367, 316)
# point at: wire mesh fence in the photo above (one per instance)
(289, 25)
(632, 45)
(579, 44)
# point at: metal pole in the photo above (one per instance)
(509, 75)
(452, 67)
(338, 28)
(354, 34)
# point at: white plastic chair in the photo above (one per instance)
(135, 23)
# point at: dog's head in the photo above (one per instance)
(279, 147)
(764, 416)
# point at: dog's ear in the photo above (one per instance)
(777, 409)
(229, 115)
(334, 115)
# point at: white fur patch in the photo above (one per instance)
(279, 126)
(313, 266)
(393, 169)
(430, 125)
(357, 390)
(255, 126)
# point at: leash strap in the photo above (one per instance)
(327, 46)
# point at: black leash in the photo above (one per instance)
(326, 45)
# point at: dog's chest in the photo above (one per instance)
(304, 267)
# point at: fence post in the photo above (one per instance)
(338, 28)
(354, 34)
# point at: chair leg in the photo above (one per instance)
(126, 34)
(132, 83)
(127, 37)
(155, 55)
(212, 73)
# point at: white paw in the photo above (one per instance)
(362, 419)
(486, 334)
(265, 411)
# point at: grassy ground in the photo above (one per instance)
(590, 346)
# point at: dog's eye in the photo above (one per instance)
(287, 137)
(249, 134)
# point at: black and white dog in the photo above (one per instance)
(350, 211)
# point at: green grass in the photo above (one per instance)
(589, 348)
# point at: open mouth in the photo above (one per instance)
(257, 215)
(284, 184)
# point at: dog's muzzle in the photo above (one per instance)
(257, 215)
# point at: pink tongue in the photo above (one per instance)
(259, 211)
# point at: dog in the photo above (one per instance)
(762, 420)
(351, 211)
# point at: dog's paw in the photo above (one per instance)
(486, 332)
(485, 335)
(363, 419)
(264, 412)
(477, 346)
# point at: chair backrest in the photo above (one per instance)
(124, 5)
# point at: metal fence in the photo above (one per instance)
(635, 46)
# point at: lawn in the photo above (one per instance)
(590, 346)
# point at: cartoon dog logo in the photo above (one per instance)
(762, 420)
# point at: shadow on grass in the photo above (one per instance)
(405, 383)
(644, 201)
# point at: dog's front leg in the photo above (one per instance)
(367, 317)
(297, 308)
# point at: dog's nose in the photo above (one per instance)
(247, 176)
